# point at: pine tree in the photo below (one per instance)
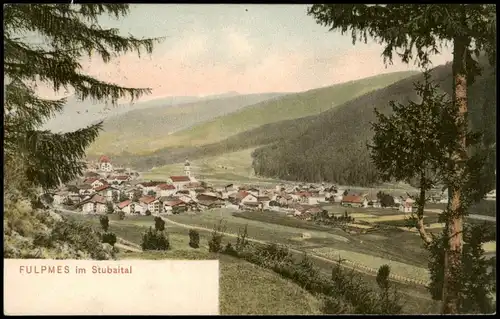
(408, 143)
(40, 158)
(406, 29)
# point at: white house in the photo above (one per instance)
(153, 204)
(407, 206)
(180, 182)
(105, 164)
(264, 200)
(315, 199)
(147, 187)
(491, 195)
(165, 189)
(98, 183)
(249, 198)
(130, 208)
(94, 205)
(60, 197)
(85, 190)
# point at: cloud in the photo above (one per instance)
(202, 62)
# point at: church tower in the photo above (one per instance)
(187, 169)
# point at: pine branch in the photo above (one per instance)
(54, 158)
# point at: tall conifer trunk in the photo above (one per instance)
(455, 214)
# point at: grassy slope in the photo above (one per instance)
(244, 287)
(287, 107)
(144, 130)
(238, 281)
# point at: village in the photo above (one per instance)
(105, 189)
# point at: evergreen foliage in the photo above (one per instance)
(67, 33)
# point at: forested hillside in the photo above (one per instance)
(333, 147)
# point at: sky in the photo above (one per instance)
(217, 48)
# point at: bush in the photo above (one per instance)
(110, 209)
(241, 240)
(109, 238)
(153, 239)
(104, 220)
(159, 224)
(194, 238)
(148, 213)
(229, 250)
(121, 215)
(215, 243)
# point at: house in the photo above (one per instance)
(300, 209)
(165, 189)
(172, 205)
(180, 181)
(118, 179)
(98, 183)
(264, 200)
(492, 195)
(90, 174)
(254, 191)
(249, 199)
(105, 164)
(407, 205)
(94, 205)
(208, 197)
(107, 192)
(147, 187)
(373, 201)
(60, 197)
(353, 201)
(85, 189)
(231, 188)
(315, 198)
(236, 198)
(130, 207)
(152, 204)
(130, 191)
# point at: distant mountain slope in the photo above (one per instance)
(77, 114)
(329, 146)
(289, 106)
(145, 129)
(333, 147)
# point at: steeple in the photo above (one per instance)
(187, 168)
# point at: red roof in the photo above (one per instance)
(165, 186)
(173, 203)
(120, 177)
(101, 188)
(104, 159)
(151, 184)
(90, 180)
(352, 199)
(147, 199)
(98, 199)
(240, 194)
(180, 178)
(124, 203)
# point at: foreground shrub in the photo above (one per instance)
(159, 224)
(194, 238)
(153, 239)
(109, 238)
(215, 243)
